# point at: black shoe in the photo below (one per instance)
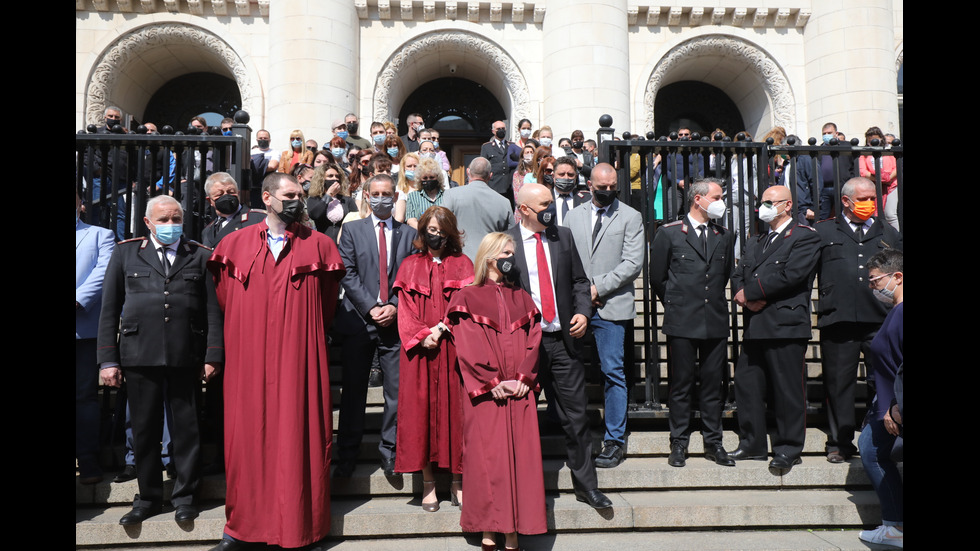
(138, 515)
(388, 466)
(782, 464)
(612, 455)
(128, 473)
(230, 545)
(718, 454)
(185, 513)
(344, 469)
(742, 455)
(678, 454)
(375, 379)
(595, 498)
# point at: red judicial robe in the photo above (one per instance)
(278, 421)
(430, 406)
(497, 334)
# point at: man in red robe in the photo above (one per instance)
(277, 284)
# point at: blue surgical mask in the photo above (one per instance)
(392, 151)
(343, 134)
(226, 132)
(296, 143)
(827, 138)
(379, 139)
(409, 174)
(338, 152)
(168, 233)
(435, 144)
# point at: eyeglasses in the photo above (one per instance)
(770, 204)
(872, 282)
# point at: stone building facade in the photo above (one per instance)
(750, 64)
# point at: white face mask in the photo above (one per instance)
(768, 214)
(528, 158)
(526, 133)
(716, 209)
(546, 142)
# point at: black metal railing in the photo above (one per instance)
(652, 174)
(116, 174)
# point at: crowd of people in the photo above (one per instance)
(464, 303)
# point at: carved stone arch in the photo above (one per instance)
(467, 44)
(129, 48)
(771, 79)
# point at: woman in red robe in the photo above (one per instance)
(430, 406)
(497, 334)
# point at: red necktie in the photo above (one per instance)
(383, 262)
(544, 281)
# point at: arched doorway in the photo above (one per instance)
(461, 110)
(187, 96)
(695, 105)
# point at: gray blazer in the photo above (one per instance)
(614, 261)
(479, 210)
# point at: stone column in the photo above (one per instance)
(585, 65)
(850, 67)
(313, 55)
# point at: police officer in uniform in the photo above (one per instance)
(169, 337)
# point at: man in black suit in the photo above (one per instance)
(848, 314)
(232, 215)
(496, 151)
(772, 284)
(561, 291)
(170, 338)
(366, 320)
(567, 193)
(690, 264)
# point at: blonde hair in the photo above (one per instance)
(318, 186)
(404, 185)
(490, 247)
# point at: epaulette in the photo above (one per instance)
(834, 219)
(131, 240)
(674, 223)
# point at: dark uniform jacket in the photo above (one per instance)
(502, 177)
(167, 320)
(690, 285)
(245, 217)
(843, 273)
(782, 276)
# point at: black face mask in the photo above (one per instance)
(500, 133)
(291, 210)
(548, 216)
(434, 242)
(508, 268)
(352, 128)
(604, 197)
(548, 180)
(577, 145)
(565, 185)
(430, 185)
(109, 123)
(227, 204)
(263, 144)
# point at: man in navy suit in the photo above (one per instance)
(93, 248)
(551, 272)
(372, 250)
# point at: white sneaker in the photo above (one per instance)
(884, 535)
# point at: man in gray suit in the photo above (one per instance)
(609, 240)
(479, 210)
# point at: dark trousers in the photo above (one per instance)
(683, 359)
(86, 408)
(564, 376)
(147, 388)
(771, 371)
(358, 352)
(841, 346)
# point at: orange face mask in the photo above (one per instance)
(863, 209)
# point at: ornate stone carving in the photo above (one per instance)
(473, 12)
(631, 14)
(674, 16)
(517, 12)
(471, 46)
(406, 11)
(761, 14)
(774, 83)
(243, 8)
(496, 12)
(538, 13)
(738, 17)
(782, 16)
(142, 40)
(451, 10)
(802, 17)
(220, 7)
(717, 16)
(696, 14)
(149, 6)
(362, 8)
(429, 10)
(125, 6)
(653, 16)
